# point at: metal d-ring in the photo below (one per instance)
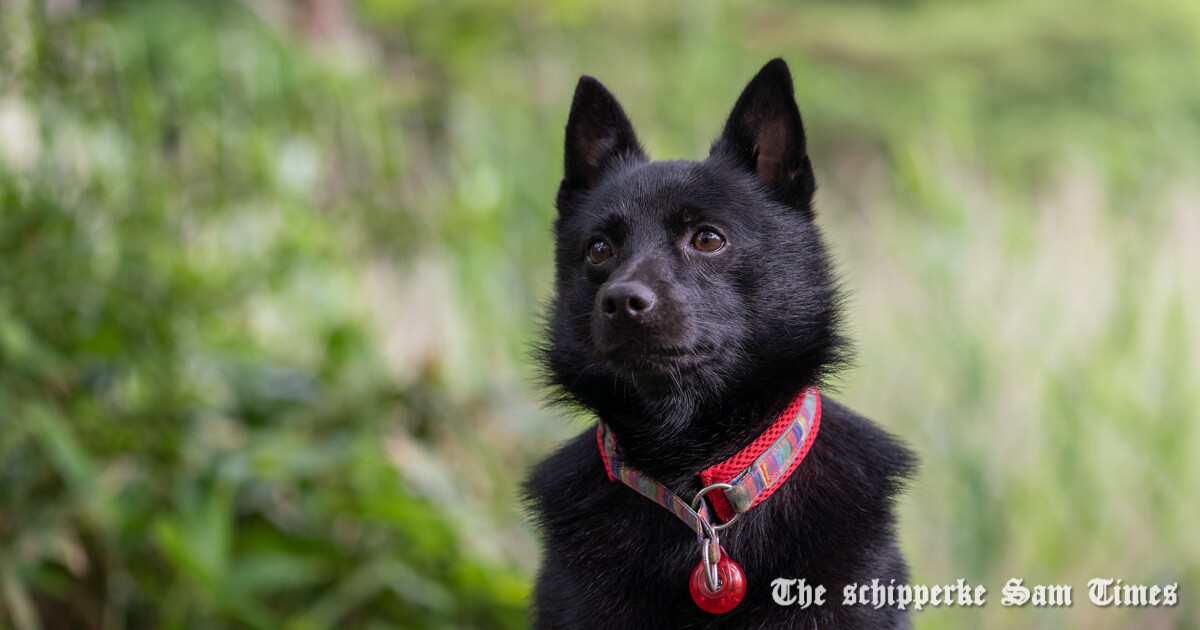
(700, 497)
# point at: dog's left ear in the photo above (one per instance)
(765, 135)
(599, 137)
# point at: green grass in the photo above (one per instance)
(266, 297)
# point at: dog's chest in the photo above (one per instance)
(610, 549)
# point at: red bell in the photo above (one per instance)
(728, 595)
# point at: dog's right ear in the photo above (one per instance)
(599, 135)
(765, 135)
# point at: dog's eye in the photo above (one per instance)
(599, 252)
(707, 241)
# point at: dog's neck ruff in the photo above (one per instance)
(742, 481)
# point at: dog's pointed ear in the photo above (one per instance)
(599, 135)
(765, 135)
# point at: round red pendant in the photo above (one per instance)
(725, 598)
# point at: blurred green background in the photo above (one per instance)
(269, 272)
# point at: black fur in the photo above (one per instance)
(688, 355)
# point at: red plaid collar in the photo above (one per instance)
(744, 480)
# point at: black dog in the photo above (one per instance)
(694, 301)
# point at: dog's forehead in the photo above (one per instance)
(657, 190)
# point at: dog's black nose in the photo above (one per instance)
(627, 300)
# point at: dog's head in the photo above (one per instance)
(682, 283)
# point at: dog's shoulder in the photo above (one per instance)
(571, 480)
(855, 452)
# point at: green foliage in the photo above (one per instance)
(197, 424)
(266, 289)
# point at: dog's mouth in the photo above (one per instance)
(637, 361)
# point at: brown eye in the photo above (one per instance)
(599, 252)
(707, 241)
